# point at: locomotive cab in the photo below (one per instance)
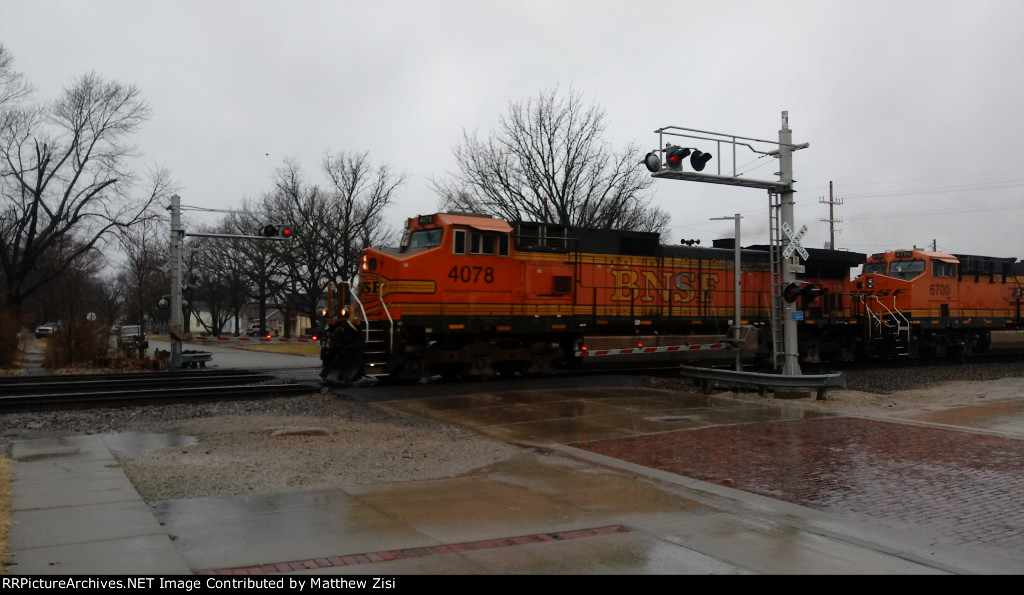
(917, 283)
(444, 302)
(920, 302)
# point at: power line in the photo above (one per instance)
(933, 212)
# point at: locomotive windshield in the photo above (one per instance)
(906, 269)
(426, 238)
(877, 268)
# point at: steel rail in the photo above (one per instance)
(191, 393)
(117, 384)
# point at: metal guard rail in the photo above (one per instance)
(821, 382)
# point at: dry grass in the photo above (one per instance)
(5, 510)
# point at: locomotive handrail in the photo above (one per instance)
(356, 300)
(895, 313)
(391, 321)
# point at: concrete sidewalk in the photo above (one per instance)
(549, 512)
(73, 511)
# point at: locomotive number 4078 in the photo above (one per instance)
(471, 274)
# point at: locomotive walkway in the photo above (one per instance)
(655, 482)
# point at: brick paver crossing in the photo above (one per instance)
(962, 487)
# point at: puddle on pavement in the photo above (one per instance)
(581, 415)
(1005, 415)
(137, 443)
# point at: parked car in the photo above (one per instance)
(254, 329)
(45, 330)
(132, 336)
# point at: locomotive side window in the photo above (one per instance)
(943, 269)
(426, 238)
(460, 241)
(480, 242)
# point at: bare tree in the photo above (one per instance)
(218, 279)
(261, 261)
(142, 277)
(13, 88)
(330, 225)
(547, 161)
(63, 175)
(306, 258)
(359, 194)
(78, 292)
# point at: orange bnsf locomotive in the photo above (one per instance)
(920, 303)
(478, 296)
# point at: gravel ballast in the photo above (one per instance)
(323, 440)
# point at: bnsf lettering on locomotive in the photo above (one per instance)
(645, 286)
(369, 287)
(880, 292)
(469, 274)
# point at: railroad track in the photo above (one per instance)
(83, 390)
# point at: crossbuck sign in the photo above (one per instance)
(794, 242)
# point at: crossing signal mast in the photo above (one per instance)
(780, 192)
(176, 300)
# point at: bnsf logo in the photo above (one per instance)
(370, 286)
(880, 292)
(666, 286)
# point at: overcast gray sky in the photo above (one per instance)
(914, 109)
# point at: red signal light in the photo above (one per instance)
(792, 291)
(286, 232)
(674, 157)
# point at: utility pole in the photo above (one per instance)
(831, 202)
(177, 330)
